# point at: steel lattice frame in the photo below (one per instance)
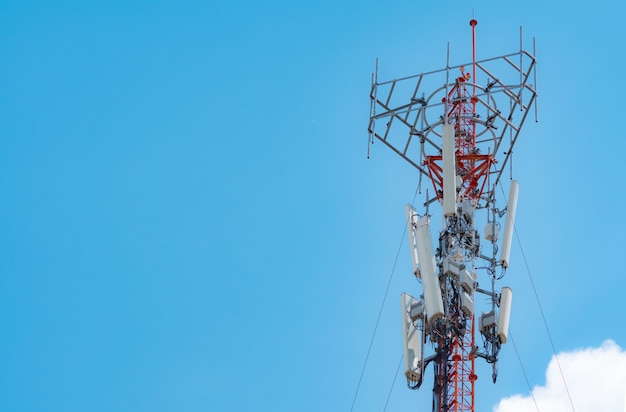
(413, 119)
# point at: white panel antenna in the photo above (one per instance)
(505, 313)
(449, 170)
(428, 265)
(468, 280)
(467, 303)
(509, 225)
(411, 337)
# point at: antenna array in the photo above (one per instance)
(458, 128)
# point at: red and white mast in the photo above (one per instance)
(460, 136)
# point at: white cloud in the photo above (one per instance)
(595, 377)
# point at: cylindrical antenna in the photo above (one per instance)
(473, 23)
(445, 104)
(511, 144)
(373, 109)
(375, 88)
(449, 170)
(422, 139)
(370, 136)
(411, 223)
(521, 69)
(376, 78)
(535, 78)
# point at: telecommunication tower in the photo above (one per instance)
(457, 126)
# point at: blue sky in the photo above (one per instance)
(189, 221)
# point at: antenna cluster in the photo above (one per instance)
(457, 126)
